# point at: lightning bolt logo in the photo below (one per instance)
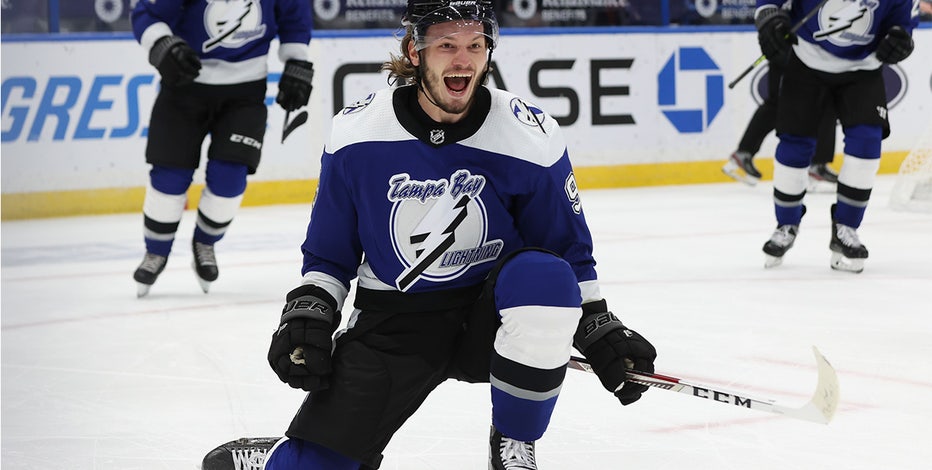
(846, 22)
(229, 23)
(842, 19)
(447, 214)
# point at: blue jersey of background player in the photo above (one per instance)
(212, 58)
(846, 31)
(833, 60)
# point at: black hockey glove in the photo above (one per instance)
(302, 344)
(773, 34)
(294, 88)
(611, 348)
(177, 63)
(895, 46)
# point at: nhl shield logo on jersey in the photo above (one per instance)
(437, 136)
(439, 227)
(232, 23)
(845, 22)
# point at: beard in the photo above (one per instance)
(436, 90)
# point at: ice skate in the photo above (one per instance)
(205, 264)
(247, 453)
(509, 454)
(848, 253)
(822, 178)
(147, 272)
(740, 167)
(780, 242)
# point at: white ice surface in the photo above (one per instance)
(94, 378)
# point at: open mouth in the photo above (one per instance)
(457, 83)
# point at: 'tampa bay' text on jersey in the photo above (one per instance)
(431, 206)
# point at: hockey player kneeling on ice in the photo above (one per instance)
(833, 60)
(214, 75)
(454, 207)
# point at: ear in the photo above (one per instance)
(413, 56)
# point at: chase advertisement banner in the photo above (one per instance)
(75, 113)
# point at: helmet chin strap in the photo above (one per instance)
(488, 68)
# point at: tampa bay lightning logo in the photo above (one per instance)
(359, 105)
(232, 23)
(846, 22)
(439, 227)
(527, 114)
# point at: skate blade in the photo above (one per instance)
(734, 172)
(771, 261)
(205, 285)
(851, 265)
(142, 290)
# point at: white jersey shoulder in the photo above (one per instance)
(371, 119)
(514, 127)
(519, 129)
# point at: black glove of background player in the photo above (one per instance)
(294, 87)
(176, 62)
(773, 34)
(611, 348)
(895, 46)
(302, 344)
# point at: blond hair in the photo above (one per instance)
(400, 69)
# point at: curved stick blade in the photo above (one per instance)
(289, 127)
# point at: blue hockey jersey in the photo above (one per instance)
(412, 205)
(232, 37)
(844, 34)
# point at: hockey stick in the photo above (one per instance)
(249, 453)
(820, 408)
(793, 30)
(289, 127)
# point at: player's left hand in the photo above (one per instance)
(611, 349)
(895, 46)
(294, 87)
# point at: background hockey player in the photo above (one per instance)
(835, 57)
(211, 56)
(740, 165)
(455, 206)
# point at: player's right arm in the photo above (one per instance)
(332, 246)
(300, 349)
(153, 22)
